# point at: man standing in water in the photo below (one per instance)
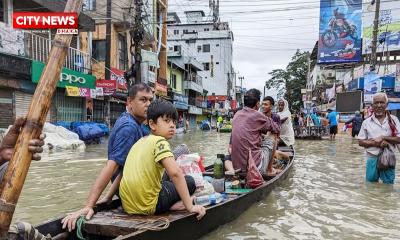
(356, 122)
(377, 132)
(333, 124)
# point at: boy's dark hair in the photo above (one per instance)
(252, 97)
(134, 89)
(161, 108)
(270, 99)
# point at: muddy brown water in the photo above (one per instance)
(324, 197)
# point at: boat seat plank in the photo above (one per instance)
(114, 223)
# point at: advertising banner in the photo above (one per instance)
(358, 72)
(389, 26)
(118, 75)
(99, 92)
(372, 85)
(106, 84)
(84, 92)
(72, 91)
(340, 31)
(397, 81)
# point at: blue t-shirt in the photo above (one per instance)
(332, 118)
(126, 132)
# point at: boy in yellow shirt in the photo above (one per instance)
(141, 190)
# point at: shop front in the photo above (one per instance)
(15, 73)
(181, 104)
(193, 113)
(70, 97)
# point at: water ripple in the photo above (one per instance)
(324, 197)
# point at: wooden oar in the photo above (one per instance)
(18, 167)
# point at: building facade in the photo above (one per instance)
(210, 44)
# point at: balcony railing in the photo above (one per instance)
(38, 48)
(194, 78)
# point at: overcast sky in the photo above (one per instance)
(266, 32)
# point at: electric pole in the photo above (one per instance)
(108, 42)
(375, 34)
(138, 33)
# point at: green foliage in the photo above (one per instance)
(289, 82)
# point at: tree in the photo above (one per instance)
(289, 82)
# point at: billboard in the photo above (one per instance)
(372, 85)
(340, 31)
(389, 26)
(349, 102)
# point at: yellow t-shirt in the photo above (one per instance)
(141, 179)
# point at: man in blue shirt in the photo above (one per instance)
(126, 132)
(333, 124)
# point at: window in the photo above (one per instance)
(185, 31)
(176, 32)
(206, 29)
(191, 41)
(173, 81)
(206, 66)
(177, 48)
(122, 52)
(206, 48)
(99, 50)
(1, 11)
(217, 63)
(217, 45)
(199, 48)
(89, 5)
(171, 48)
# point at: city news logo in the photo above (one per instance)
(65, 23)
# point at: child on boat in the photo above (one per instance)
(141, 190)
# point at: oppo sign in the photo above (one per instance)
(64, 77)
(68, 77)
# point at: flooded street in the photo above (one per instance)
(324, 197)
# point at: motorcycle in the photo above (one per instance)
(339, 28)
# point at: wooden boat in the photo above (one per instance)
(111, 223)
(311, 132)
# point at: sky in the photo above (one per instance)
(266, 33)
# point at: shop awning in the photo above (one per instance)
(393, 106)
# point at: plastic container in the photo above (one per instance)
(219, 185)
(211, 199)
(218, 169)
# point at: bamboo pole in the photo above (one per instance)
(19, 165)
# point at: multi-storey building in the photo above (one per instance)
(210, 44)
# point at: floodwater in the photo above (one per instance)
(324, 197)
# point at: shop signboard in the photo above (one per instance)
(118, 76)
(68, 77)
(72, 91)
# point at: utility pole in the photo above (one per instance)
(308, 84)
(375, 34)
(241, 89)
(138, 33)
(108, 42)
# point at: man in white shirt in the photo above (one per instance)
(377, 132)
